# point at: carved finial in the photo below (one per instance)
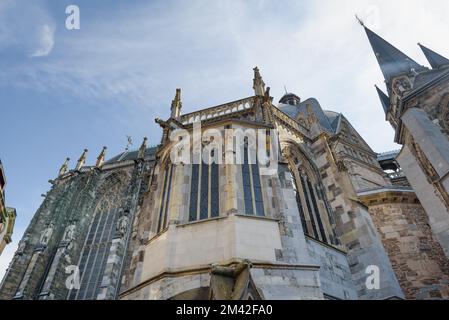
(64, 167)
(258, 84)
(360, 21)
(267, 95)
(129, 144)
(81, 160)
(101, 157)
(142, 149)
(176, 104)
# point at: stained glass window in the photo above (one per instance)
(193, 209)
(317, 212)
(96, 248)
(299, 204)
(252, 189)
(309, 207)
(204, 191)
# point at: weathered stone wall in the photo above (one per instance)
(425, 161)
(417, 258)
(335, 274)
(354, 226)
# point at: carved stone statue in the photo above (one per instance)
(342, 166)
(69, 233)
(46, 235)
(122, 224)
(401, 85)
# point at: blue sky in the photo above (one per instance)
(62, 91)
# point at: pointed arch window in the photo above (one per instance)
(309, 207)
(311, 202)
(204, 190)
(252, 188)
(165, 199)
(97, 245)
(299, 202)
(317, 212)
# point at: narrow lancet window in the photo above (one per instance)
(214, 190)
(309, 207)
(252, 189)
(317, 212)
(299, 204)
(204, 201)
(193, 210)
(163, 212)
(204, 191)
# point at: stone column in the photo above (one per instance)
(429, 175)
(230, 174)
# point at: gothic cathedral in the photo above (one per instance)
(335, 220)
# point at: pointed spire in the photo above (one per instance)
(64, 167)
(384, 99)
(436, 60)
(176, 104)
(81, 160)
(101, 157)
(142, 149)
(392, 61)
(258, 84)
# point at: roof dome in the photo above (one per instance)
(291, 99)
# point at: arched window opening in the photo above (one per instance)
(204, 190)
(315, 213)
(252, 188)
(165, 199)
(97, 245)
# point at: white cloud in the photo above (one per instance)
(46, 42)
(26, 28)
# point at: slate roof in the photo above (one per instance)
(132, 155)
(392, 61)
(384, 99)
(436, 60)
(294, 111)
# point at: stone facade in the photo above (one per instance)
(417, 257)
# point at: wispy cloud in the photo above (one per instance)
(315, 48)
(46, 42)
(26, 28)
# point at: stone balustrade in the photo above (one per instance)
(218, 111)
